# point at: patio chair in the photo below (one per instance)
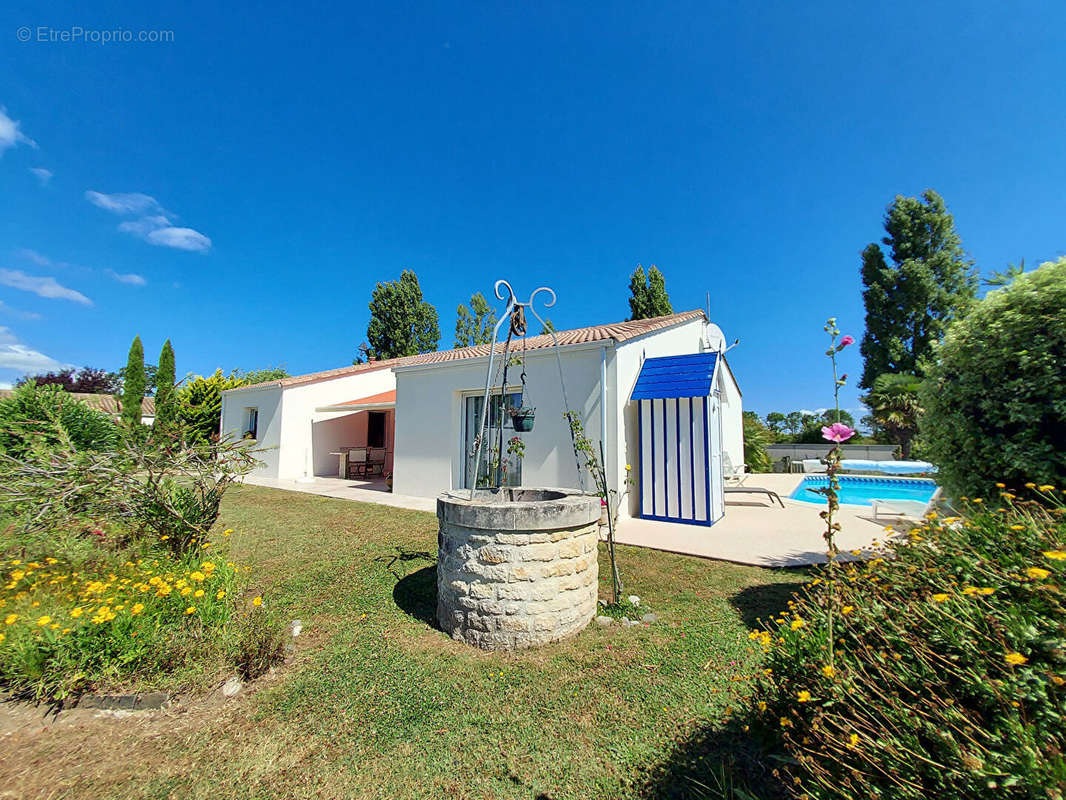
(375, 461)
(733, 476)
(355, 462)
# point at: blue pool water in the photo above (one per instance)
(859, 491)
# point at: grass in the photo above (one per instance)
(381, 704)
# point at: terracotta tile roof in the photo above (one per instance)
(616, 331)
(102, 402)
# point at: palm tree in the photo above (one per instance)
(896, 407)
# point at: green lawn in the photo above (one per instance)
(379, 704)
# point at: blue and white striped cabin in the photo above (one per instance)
(680, 432)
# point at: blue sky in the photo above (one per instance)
(241, 188)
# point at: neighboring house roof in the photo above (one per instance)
(676, 376)
(614, 331)
(102, 402)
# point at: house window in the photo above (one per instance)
(511, 468)
(251, 423)
(375, 429)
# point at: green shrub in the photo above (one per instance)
(996, 399)
(948, 670)
(756, 438)
(46, 415)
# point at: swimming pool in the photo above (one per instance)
(860, 491)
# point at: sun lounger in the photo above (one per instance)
(755, 490)
(909, 509)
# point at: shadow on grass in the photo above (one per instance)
(765, 601)
(416, 594)
(716, 763)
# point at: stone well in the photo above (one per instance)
(516, 567)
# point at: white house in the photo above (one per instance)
(669, 420)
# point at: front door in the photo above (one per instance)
(490, 450)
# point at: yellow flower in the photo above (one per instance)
(10, 619)
(44, 620)
(198, 576)
(257, 601)
(828, 671)
(803, 696)
(1037, 573)
(986, 590)
(186, 591)
(969, 590)
(198, 593)
(797, 624)
(762, 705)
(1001, 485)
(1030, 485)
(978, 500)
(76, 612)
(1047, 487)
(1017, 527)
(2, 637)
(190, 610)
(628, 468)
(220, 594)
(227, 532)
(137, 608)
(785, 723)
(1014, 658)
(940, 597)
(853, 741)
(847, 610)
(1055, 555)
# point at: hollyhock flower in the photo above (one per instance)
(845, 340)
(837, 432)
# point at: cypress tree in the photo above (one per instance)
(165, 399)
(133, 385)
(648, 297)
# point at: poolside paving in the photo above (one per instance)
(755, 530)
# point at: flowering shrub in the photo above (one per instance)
(948, 673)
(63, 628)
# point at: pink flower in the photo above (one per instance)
(837, 432)
(845, 340)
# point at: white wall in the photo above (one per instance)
(732, 416)
(429, 421)
(234, 420)
(303, 453)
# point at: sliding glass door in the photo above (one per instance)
(490, 449)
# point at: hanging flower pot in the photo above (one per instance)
(522, 419)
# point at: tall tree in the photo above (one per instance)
(166, 403)
(133, 385)
(401, 322)
(910, 302)
(89, 380)
(647, 295)
(473, 325)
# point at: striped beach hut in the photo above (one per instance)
(680, 432)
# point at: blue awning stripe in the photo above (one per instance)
(676, 376)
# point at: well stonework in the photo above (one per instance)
(517, 567)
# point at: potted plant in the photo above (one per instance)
(522, 418)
